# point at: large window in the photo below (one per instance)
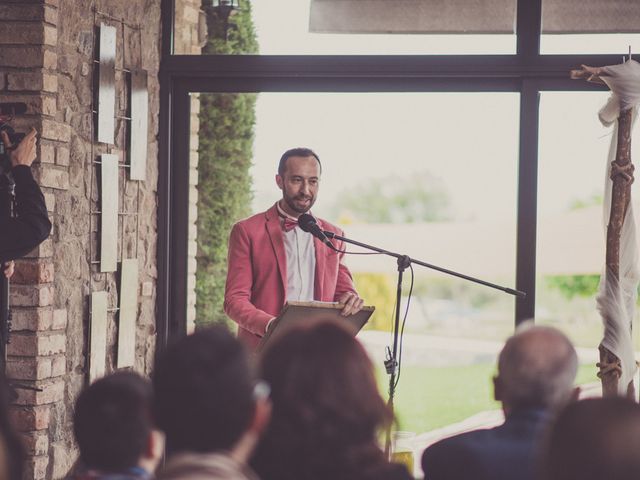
(486, 125)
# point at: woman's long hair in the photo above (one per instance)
(327, 410)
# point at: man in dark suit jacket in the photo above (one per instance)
(536, 371)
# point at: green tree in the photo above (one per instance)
(225, 153)
(571, 286)
(420, 197)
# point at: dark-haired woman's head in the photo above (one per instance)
(327, 410)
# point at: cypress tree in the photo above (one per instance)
(225, 153)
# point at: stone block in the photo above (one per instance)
(35, 468)
(50, 35)
(192, 247)
(26, 57)
(147, 289)
(23, 345)
(32, 81)
(53, 130)
(36, 104)
(35, 443)
(44, 250)
(63, 459)
(29, 368)
(50, 201)
(32, 319)
(58, 366)
(31, 272)
(50, 60)
(24, 12)
(193, 177)
(62, 156)
(52, 344)
(22, 33)
(59, 319)
(32, 295)
(28, 419)
(47, 153)
(54, 178)
(52, 391)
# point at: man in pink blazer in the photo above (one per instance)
(271, 260)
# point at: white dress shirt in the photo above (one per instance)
(301, 262)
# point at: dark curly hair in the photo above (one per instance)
(327, 410)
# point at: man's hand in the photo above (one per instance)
(25, 152)
(9, 268)
(352, 303)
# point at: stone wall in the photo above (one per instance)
(46, 61)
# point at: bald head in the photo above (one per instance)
(536, 368)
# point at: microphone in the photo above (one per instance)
(308, 224)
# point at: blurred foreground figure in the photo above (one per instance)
(209, 407)
(115, 431)
(536, 370)
(595, 439)
(327, 411)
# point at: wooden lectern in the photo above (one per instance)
(294, 313)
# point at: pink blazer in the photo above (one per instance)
(257, 275)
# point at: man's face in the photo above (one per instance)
(299, 185)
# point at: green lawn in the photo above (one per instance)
(430, 397)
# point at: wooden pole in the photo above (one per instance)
(622, 177)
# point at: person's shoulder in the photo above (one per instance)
(457, 444)
(255, 219)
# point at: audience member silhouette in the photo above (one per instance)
(536, 370)
(595, 439)
(327, 411)
(114, 429)
(209, 408)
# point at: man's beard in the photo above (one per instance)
(290, 201)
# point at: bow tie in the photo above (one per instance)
(289, 224)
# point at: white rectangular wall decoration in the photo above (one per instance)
(107, 84)
(109, 213)
(128, 313)
(98, 335)
(138, 132)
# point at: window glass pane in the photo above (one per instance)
(571, 235)
(610, 43)
(429, 175)
(308, 27)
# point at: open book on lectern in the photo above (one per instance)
(300, 312)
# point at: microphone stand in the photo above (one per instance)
(404, 261)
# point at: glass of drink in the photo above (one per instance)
(402, 449)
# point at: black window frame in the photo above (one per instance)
(526, 72)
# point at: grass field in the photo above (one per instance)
(429, 397)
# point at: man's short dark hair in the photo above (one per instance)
(112, 422)
(296, 152)
(204, 392)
